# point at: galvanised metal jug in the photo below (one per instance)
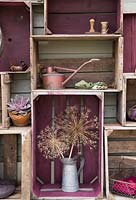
(70, 174)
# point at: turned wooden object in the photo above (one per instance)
(92, 30)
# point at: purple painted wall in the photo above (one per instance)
(129, 43)
(41, 166)
(72, 17)
(15, 25)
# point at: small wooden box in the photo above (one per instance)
(127, 99)
(119, 144)
(15, 26)
(9, 166)
(44, 108)
(72, 17)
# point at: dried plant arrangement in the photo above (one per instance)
(71, 128)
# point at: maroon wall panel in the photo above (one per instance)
(129, 43)
(72, 6)
(14, 22)
(72, 17)
(79, 23)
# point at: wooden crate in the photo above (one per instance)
(15, 25)
(5, 98)
(72, 50)
(130, 42)
(37, 18)
(45, 106)
(72, 17)
(9, 169)
(119, 144)
(127, 98)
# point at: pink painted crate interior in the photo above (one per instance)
(15, 30)
(90, 177)
(72, 17)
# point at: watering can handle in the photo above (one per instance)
(81, 165)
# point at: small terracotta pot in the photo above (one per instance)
(20, 120)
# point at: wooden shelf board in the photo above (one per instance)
(66, 92)
(16, 72)
(117, 126)
(14, 130)
(129, 75)
(130, 123)
(71, 92)
(76, 37)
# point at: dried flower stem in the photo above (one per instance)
(71, 150)
(59, 151)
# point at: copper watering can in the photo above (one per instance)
(53, 80)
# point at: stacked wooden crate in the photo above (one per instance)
(120, 149)
(15, 142)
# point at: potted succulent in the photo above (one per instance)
(70, 130)
(19, 109)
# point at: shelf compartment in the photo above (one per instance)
(72, 17)
(127, 98)
(14, 20)
(119, 145)
(37, 18)
(9, 167)
(46, 107)
(129, 43)
(72, 53)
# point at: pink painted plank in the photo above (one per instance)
(129, 43)
(15, 25)
(94, 193)
(43, 118)
(60, 106)
(71, 6)
(79, 23)
(91, 167)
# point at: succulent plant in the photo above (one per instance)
(20, 105)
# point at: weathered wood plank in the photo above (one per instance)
(129, 6)
(122, 146)
(74, 47)
(105, 64)
(10, 157)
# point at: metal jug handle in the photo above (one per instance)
(81, 165)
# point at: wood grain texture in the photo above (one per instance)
(10, 157)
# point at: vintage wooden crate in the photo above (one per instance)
(10, 168)
(37, 18)
(47, 178)
(127, 99)
(129, 43)
(72, 17)
(15, 26)
(119, 144)
(72, 51)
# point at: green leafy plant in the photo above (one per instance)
(71, 128)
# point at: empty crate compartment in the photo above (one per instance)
(10, 159)
(37, 19)
(47, 173)
(72, 17)
(70, 54)
(15, 33)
